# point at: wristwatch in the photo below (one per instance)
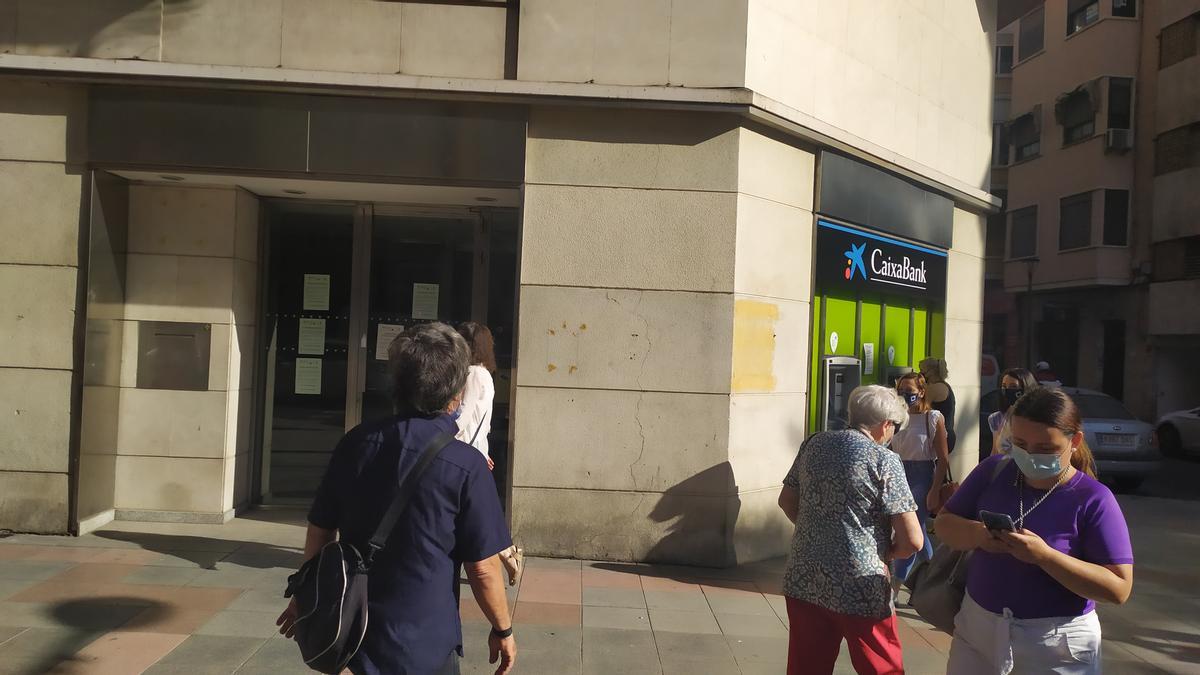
(507, 632)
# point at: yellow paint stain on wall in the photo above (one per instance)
(753, 346)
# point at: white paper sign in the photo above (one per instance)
(308, 376)
(868, 358)
(425, 301)
(383, 339)
(312, 337)
(316, 292)
(833, 342)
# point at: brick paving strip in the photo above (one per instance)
(167, 598)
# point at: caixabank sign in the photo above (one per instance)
(850, 260)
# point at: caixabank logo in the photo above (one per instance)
(869, 260)
(854, 261)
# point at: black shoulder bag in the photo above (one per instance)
(330, 589)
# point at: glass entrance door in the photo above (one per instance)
(341, 283)
(306, 338)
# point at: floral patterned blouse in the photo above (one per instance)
(849, 489)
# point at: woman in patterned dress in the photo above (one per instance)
(853, 512)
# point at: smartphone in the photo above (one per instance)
(997, 522)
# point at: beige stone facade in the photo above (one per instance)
(667, 176)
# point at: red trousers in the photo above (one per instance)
(816, 635)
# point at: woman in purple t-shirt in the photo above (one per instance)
(1031, 592)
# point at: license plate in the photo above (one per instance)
(1118, 440)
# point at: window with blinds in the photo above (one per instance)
(1116, 218)
(1032, 33)
(1120, 103)
(1077, 116)
(1081, 14)
(1025, 135)
(1075, 221)
(1022, 240)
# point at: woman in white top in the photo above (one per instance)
(923, 448)
(475, 412)
(475, 416)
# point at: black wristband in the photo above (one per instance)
(507, 632)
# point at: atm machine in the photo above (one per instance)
(840, 375)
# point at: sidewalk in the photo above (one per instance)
(167, 598)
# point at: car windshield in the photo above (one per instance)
(1092, 406)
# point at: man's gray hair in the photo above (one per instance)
(872, 404)
(428, 367)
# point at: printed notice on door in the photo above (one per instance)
(868, 358)
(316, 292)
(383, 339)
(425, 301)
(312, 337)
(308, 376)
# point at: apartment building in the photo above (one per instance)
(1096, 162)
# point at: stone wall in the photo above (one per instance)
(360, 36)
(964, 334)
(185, 455)
(663, 336)
(43, 184)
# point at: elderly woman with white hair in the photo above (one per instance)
(847, 495)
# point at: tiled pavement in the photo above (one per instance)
(157, 598)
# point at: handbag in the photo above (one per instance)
(330, 589)
(949, 485)
(939, 584)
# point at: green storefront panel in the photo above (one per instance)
(896, 348)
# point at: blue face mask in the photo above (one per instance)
(1036, 467)
(911, 399)
(457, 413)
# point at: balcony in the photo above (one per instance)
(1178, 95)
(1176, 205)
(1166, 299)
(1079, 268)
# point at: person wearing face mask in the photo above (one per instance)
(940, 394)
(853, 512)
(1032, 590)
(923, 447)
(1014, 384)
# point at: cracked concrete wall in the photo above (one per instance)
(663, 336)
(42, 186)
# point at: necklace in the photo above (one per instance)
(1021, 512)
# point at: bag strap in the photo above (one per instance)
(480, 427)
(407, 487)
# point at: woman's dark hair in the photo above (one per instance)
(483, 347)
(1022, 375)
(1054, 408)
(427, 367)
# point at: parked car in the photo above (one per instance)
(1124, 446)
(1179, 432)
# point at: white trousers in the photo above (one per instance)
(985, 642)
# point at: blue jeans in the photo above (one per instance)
(920, 479)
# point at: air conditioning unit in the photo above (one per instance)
(1118, 140)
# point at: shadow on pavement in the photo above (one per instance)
(86, 620)
(206, 552)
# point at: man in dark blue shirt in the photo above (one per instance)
(454, 518)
